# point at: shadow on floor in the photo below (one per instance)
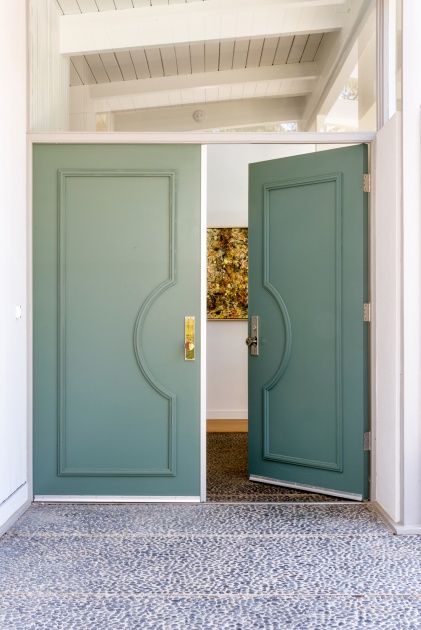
(227, 477)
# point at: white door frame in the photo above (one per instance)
(201, 139)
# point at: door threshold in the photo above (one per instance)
(92, 498)
(298, 486)
(282, 503)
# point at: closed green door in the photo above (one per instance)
(116, 270)
(308, 284)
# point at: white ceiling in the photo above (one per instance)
(70, 7)
(185, 59)
(143, 55)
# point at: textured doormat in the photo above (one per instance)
(228, 480)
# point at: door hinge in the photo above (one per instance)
(367, 182)
(367, 441)
(367, 312)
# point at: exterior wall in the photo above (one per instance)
(411, 270)
(49, 71)
(386, 321)
(13, 258)
(403, 504)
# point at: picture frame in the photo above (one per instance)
(227, 269)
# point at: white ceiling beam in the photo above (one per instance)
(223, 114)
(331, 95)
(334, 58)
(227, 85)
(206, 79)
(196, 22)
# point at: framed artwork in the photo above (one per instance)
(227, 297)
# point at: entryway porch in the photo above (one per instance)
(207, 566)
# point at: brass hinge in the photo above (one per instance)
(367, 312)
(367, 182)
(367, 441)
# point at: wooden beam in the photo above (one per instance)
(333, 57)
(196, 22)
(227, 85)
(214, 115)
(285, 72)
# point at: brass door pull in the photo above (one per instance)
(189, 338)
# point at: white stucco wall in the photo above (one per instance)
(385, 327)
(13, 260)
(411, 271)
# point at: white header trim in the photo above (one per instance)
(201, 138)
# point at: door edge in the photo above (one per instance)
(298, 486)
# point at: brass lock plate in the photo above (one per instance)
(189, 338)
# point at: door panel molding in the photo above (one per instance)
(63, 469)
(268, 454)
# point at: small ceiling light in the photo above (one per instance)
(198, 115)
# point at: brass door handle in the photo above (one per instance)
(189, 338)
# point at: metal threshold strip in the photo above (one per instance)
(299, 486)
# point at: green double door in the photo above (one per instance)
(307, 286)
(116, 271)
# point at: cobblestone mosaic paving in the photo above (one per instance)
(207, 566)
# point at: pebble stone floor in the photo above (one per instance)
(227, 475)
(212, 565)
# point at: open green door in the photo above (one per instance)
(307, 286)
(116, 270)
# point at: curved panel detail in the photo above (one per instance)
(153, 382)
(138, 331)
(286, 355)
(63, 469)
(337, 465)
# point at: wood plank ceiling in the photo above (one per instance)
(69, 7)
(182, 59)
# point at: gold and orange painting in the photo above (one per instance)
(227, 273)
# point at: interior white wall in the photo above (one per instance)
(13, 257)
(227, 370)
(49, 70)
(385, 328)
(227, 201)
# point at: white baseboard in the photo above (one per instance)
(92, 498)
(13, 507)
(408, 530)
(397, 528)
(227, 414)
